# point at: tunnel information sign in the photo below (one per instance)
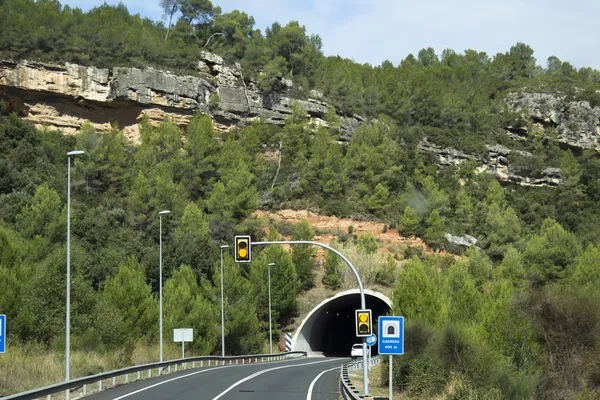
(391, 335)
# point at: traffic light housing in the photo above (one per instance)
(363, 323)
(243, 251)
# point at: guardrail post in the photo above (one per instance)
(114, 380)
(209, 363)
(175, 367)
(149, 373)
(100, 386)
(49, 397)
(84, 390)
(126, 378)
(193, 364)
(139, 374)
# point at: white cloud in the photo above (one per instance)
(375, 30)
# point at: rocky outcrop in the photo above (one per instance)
(495, 162)
(447, 155)
(465, 240)
(67, 96)
(577, 123)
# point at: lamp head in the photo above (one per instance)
(164, 212)
(75, 153)
(271, 264)
(224, 246)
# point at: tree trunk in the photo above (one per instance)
(170, 20)
(246, 92)
(211, 36)
(278, 164)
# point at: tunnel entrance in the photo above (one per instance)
(330, 327)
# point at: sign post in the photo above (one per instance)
(183, 335)
(371, 340)
(2, 333)
(391, 339)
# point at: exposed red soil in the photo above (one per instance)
(327, 225)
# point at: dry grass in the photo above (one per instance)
(25, 367)
(375, 386)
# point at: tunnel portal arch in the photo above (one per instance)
(329, 328)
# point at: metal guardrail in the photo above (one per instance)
(347, 389)
(196, 362)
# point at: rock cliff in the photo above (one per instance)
(577, 123)
(66, 96)
(494, 162)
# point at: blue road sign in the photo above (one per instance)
(371, 340)
(391, 335)
(2, 333)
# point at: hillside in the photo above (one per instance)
(465, 186)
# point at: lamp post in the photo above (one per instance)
(270, 333)
(222, 307)
(160, 214)
(68, 310)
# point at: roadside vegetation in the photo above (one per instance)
(516, 316)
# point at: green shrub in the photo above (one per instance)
(214, 102)
(367, 242)
(385, 274)
(412, 251)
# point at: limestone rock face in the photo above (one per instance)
(495, 162)
(577, 123)
(66, 96)
(70, 80)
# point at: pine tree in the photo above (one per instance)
(303, 256)
(331, 265)
(436, 230)
(185, 306)
(464, 211)
(409, 223)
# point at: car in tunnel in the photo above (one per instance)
(357, 350)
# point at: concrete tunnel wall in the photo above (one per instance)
(329, 328)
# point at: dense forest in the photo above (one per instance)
(516, 317)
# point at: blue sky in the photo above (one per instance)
(376, 30)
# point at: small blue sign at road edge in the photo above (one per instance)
(2, 333)
(371, 340)
(391, 335)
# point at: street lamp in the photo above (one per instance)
(160, 214)
(222, 309)
(68, 311)
(270, 333)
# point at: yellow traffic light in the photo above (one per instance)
(242, 249)
(363, 323)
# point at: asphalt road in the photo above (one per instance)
(288, 380)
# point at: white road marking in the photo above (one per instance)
(191, 374)
(264, 372)
(167, 381)
(312, 384)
